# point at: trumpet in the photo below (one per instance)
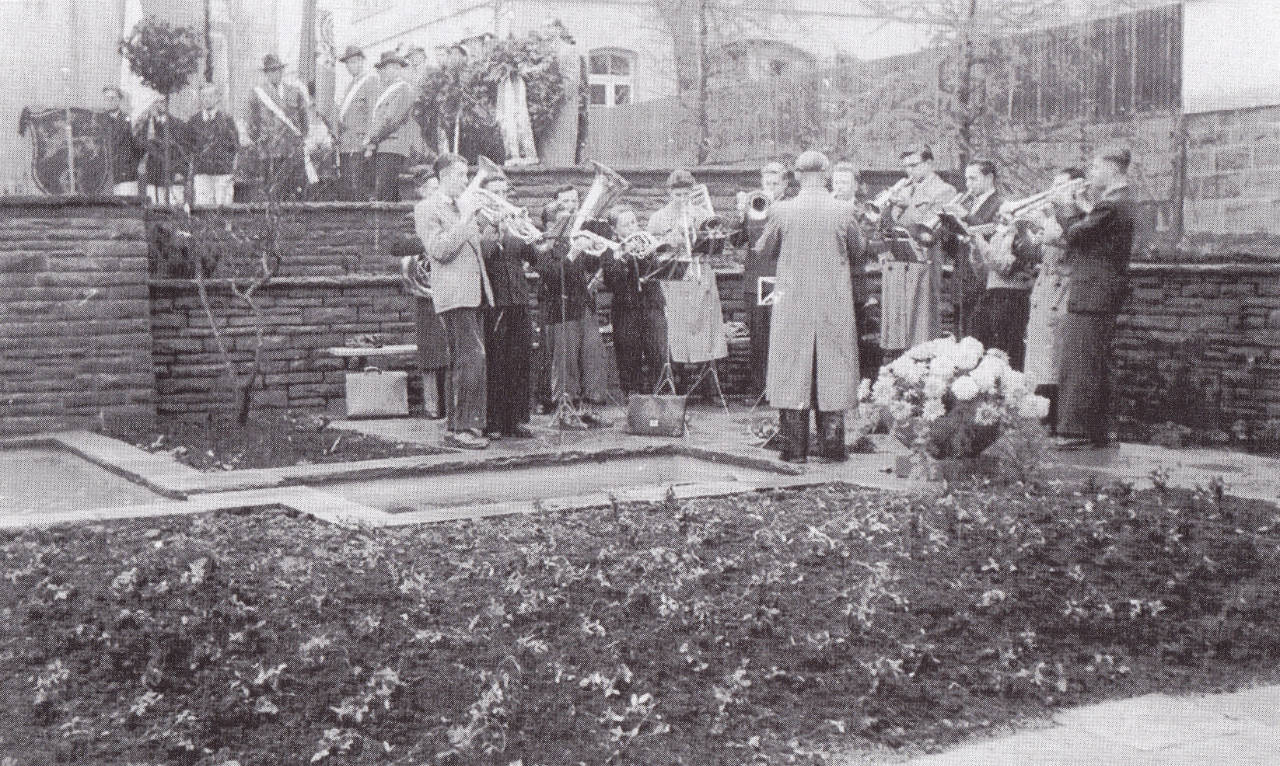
(1024, 207)
(882, 199)
(758, 203)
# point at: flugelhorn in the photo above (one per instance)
(639, 244)
(596, 244)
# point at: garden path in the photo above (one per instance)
(1242, 728)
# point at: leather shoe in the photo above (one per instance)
(519, 432)
(466, 440)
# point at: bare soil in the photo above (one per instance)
(772, 628)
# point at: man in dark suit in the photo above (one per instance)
(1098, 250)
(508, 334)
(278, 125)
(123, 152)
(980, 207)
(168, 150)
(214, 141)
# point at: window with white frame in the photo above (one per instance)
(610, 76)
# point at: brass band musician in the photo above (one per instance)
(691, 298)
(773, 189)
(978, 210)
(639, 328)
(911, 286)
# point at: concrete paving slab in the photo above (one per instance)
(49, 479)
(1052, 746)
(1155, 722)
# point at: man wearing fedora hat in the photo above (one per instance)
(278, 126)
(390, 129)
(355, 110)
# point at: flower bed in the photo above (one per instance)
(266, 441)
(770, 628)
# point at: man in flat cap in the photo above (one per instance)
(390, 129)
(813, 343)
(355, 110)
(278, 126)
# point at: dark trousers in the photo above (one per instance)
(466, 406)
(793, 426)
(1000, 321)
(283, 178)
(758, 327)
(386, 176)
(1084, 384)
(357, 176)
(579, 364)
(640, 345)
(508, 342)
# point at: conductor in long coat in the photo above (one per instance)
(813, 340)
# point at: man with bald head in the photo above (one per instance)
(813, 343)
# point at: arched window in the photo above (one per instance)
(611, 76)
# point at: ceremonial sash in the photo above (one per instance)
(351, 94)
(383, 96)
(313, 175)
(276, 110)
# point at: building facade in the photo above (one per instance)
(631, 45)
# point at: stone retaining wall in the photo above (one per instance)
(75, 330)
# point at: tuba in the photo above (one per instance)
(606, 188)
(414, 275)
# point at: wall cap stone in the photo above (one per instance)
(1230, 267)
(67, 200)
(347, 280)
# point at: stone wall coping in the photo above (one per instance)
(67, 200)
(254, 207)
(1228, 267)
(344, 280)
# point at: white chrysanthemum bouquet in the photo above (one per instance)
(952, 398)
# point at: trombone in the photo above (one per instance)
(1023, 208)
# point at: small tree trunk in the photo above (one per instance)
(704, 127)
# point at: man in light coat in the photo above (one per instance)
(390, 129)
(911, 289)
(813, 343)
(447, 223)
(354, 113)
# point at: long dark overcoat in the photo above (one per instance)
(820, 253)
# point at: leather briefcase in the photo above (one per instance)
(377, 393)
(656, 414)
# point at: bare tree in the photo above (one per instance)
(237, 253)
(699, 29)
